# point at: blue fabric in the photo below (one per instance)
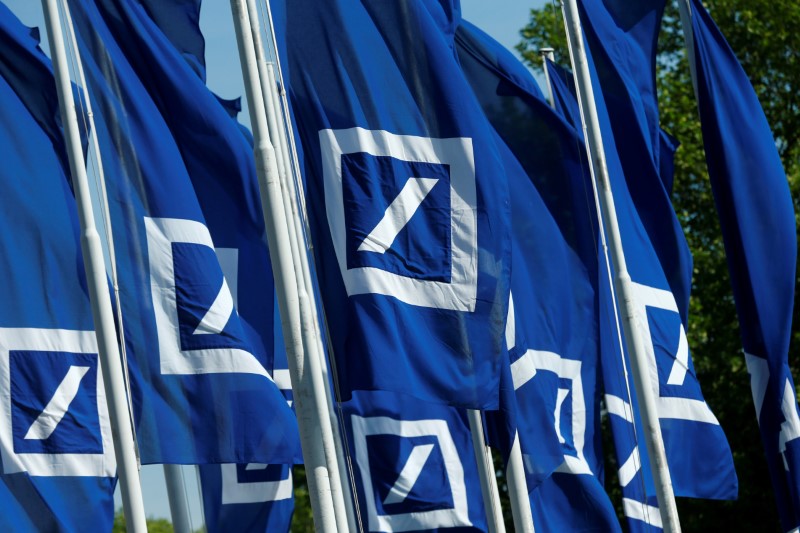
(251, 497)
(387, 434)
(45, 307)
(553, 287)
(179, 21)
(758, 228)
(425, 314)
(192, 257)
(622, 59)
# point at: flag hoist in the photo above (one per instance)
(622, 286)
(122, 432)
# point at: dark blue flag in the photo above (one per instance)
(553, 286)
(407, 215)
(622, 46)
(57, 465)
(188, 229)
(414, 464)
(758, 227)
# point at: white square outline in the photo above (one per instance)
(460, 293)
(235, 492)
(458, 516)
(52, 464)
(161, 233)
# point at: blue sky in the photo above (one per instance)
(502, 19)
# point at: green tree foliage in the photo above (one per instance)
(160, 525)
(766, 38)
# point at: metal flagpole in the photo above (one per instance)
(633, 336)
(545, 54)
(491, 498)
(304, 369)
(102, 313)
(345, 518)
(518, 490)
(178, 502)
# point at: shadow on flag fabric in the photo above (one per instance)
(554, 290)
(758, 227)
(413, 464)
(57, 465)
(407, 215)
(622, 46)
(196, 290)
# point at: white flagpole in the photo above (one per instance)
(545, 54)
(518, 490)
(633, 336)
(122, 433)
(483, 458)
(345, 519)
(304, 369)
(178, 501)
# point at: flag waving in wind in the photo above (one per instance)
(408, 217)
(758, 228)
(57, 464)
(196, 290)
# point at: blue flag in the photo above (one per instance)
(57, 464)
(622, 57)
(758, 227)
(188, 230)
(408, 219)
(414, 465)
(554, 290)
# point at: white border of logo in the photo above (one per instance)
(52, 464)
(161, 233)
(458, 295)
(233, 491)
(382, 425)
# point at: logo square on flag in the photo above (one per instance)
(54, 402)
(57, 423)
(199, 331)
(255, 483)
(418, 249)
(402, 212)
(397, 460)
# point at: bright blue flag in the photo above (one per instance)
(622, 57)
(57, 465)
(408, 218)
(554, 290)
(188, 229)
(414, 464)
(758, 227)
(250, 497)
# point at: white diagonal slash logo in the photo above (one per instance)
(409, 475)
(57, 407)
(397, 215)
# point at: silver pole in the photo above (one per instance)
(308, 312)
(518, 490)
(303, 369)
(545, 54)
(688, 37)
(342, 497)
(491, 497)
(178, 501)
(633, 336)
(102, 313)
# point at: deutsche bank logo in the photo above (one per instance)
(255, 483)
(430, 457)
(55, 420)
(199, 331)
(402, 214)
